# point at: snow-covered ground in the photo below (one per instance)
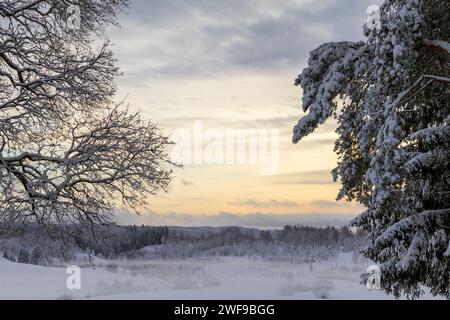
(207, 278)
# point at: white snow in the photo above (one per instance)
(200, 278)
(447, 252)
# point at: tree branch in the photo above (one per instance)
(444, 45)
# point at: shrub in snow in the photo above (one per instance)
(322, 289)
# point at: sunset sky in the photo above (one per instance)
(231, 64)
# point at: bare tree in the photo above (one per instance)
(68, 154)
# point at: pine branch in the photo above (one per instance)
(402, 98)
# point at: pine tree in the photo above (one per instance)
(36, 256)
(24, 256)
(394, 138)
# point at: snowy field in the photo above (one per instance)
(208, 278)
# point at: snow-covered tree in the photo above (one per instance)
(68, 153)
(391, 97)
(36, 256)
(24, 256)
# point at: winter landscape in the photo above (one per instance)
(228, 272)
(226, 149)
(193, 263)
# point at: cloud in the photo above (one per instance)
(187, 183)
(243, 123)
(255, 220)
(265, 204)
(315, 177)
(198, 38)
(231, 63)
(326, 204)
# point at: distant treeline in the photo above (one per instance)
(32, 244)
(295, 235)
(292, 242)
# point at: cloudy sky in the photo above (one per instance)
(227, 65)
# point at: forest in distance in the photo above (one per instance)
(146, 242)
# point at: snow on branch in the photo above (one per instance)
(329, 69)
(431, 135)
(447, 252)
(419, 221)
(438, 43)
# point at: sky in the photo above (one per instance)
(203, 70)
